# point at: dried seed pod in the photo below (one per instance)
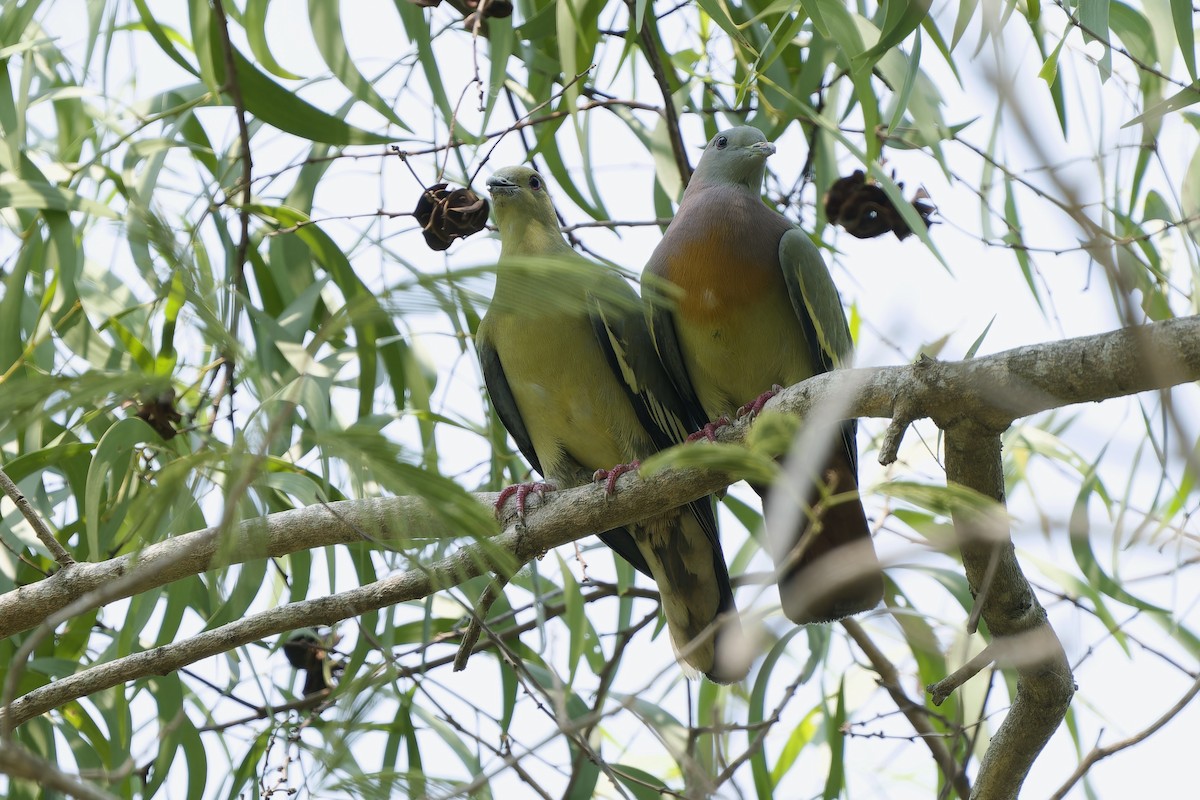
(160, 413)
(864, 209)
(449, 214)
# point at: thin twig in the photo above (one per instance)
(945, 687)
(1099, 753)
(517, 125)
(643, 223)
(490, 595)
(39, 526)
(889, 679)
(1142, 65)
(243, 246)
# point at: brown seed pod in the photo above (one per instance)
(449, 214)
(160, 413)
(864, 209)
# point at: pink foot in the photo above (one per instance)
(709, 431)
(609, 476)
(756, 405)
(522, 491)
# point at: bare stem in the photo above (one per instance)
(39, 526)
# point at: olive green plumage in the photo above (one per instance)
(572, 373)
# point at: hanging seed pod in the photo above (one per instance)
(160, 413)
(864, 209)
(448, 214)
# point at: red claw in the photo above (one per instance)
(610, 476)
(709, 431)
(522, 491)
(755, 406)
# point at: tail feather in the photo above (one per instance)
(697, 599)
(829, 569)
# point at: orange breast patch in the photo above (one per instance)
(718, 280)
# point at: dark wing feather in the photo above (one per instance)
(660, 319)
(619, 539)
(819, 309)
(626, 342)
(503, 401)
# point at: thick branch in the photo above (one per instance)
(18, 763)
(1008, 605)
(993, 389)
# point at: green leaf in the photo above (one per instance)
(166, 38)
(764, 786)
(902, 18)
(574, 618)
(1184, 17)
(836, 780)
(254, 20)
(1049, 70)
(1015, 238)
(641, 784)
(282, 108)
(974, 348)
(1093, 16)
(1081, 547)
(45, 196)
(416, 27)
(376, 337)
(1181, 99)
(966, 10)
(458, 745)
(111, 465)
(326, 21)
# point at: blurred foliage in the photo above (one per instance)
(175, 353)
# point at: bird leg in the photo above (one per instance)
(522, 491)
(709, 431)
(609, 476)
(755, 406)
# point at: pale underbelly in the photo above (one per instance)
(735, 359)
(571, 403)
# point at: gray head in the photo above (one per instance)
(734, 156)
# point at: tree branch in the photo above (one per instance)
(994, 389)
(39, 526)
(1045, 685)
(972, 400)
(21, 764)
(1100, 753)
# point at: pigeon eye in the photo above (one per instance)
(535, 183)
(721, 142)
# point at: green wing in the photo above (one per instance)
(819, 309)
(660, 327)
(816, 301)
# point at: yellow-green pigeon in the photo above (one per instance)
(571, 371)
(757, 308)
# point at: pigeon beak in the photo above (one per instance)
(502, 185)
(766, 148)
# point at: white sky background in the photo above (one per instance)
(906, 299)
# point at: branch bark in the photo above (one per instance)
(1008, 605)
(973, 401)
(917, 715)
(993, 389)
